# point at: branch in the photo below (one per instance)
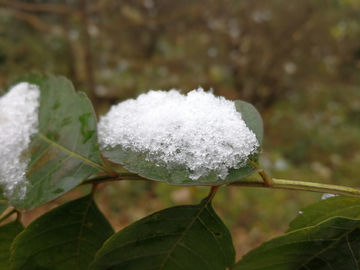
(38, 7)
(86, 47)
(299, 185)
(252, 182)
(29, 18)
(266, 178)
(160, 20)
(98, 6)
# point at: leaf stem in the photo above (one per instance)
(213, 192)
(8, 215)
(93, 190)
(299, 185)
(266, 178)
(120, 176)
(18, 217)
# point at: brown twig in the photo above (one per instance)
(39, 7)
(29, 18)
(85, 44)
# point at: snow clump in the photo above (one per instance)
(200, 131)
(328, 195)
(18, 121)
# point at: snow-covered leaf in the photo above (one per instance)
(63, 151)
(198, 139)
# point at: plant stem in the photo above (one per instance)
(212, 192)
(120, 176)
(266, 178)
(18, 217)
(299, 185)
(113, 174)
(93, 190)
(252, 182)
(8, 215)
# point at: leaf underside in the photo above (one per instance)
(65, 238)
(137, 162)
(332, 244)
(65, 150)
(182, 237)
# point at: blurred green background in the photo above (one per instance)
(298, 62)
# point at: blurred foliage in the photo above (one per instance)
(296, 61)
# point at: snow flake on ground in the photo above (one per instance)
(18, 121)
(200, 131)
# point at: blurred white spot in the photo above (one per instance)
(93, 30)
(261, 16)
(212, 52)
(106, 73)
(148, 3)
(281, 164)
(122, 65)
(101, 90)
(321, 169)
(290, 67)
(73, 34)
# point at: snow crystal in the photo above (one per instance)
(328, 195)
(18, 121)
(202, 132)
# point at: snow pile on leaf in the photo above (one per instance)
(198, 131)
(18, 121)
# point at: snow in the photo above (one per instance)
(328, 195)
(200, 131)
(18, 121)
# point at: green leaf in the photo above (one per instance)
(182, 237)
(8, 233)
(325, 209)
(252, 118)
(65, 150)
(65, 238)
(137, 162)
(332, 244)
